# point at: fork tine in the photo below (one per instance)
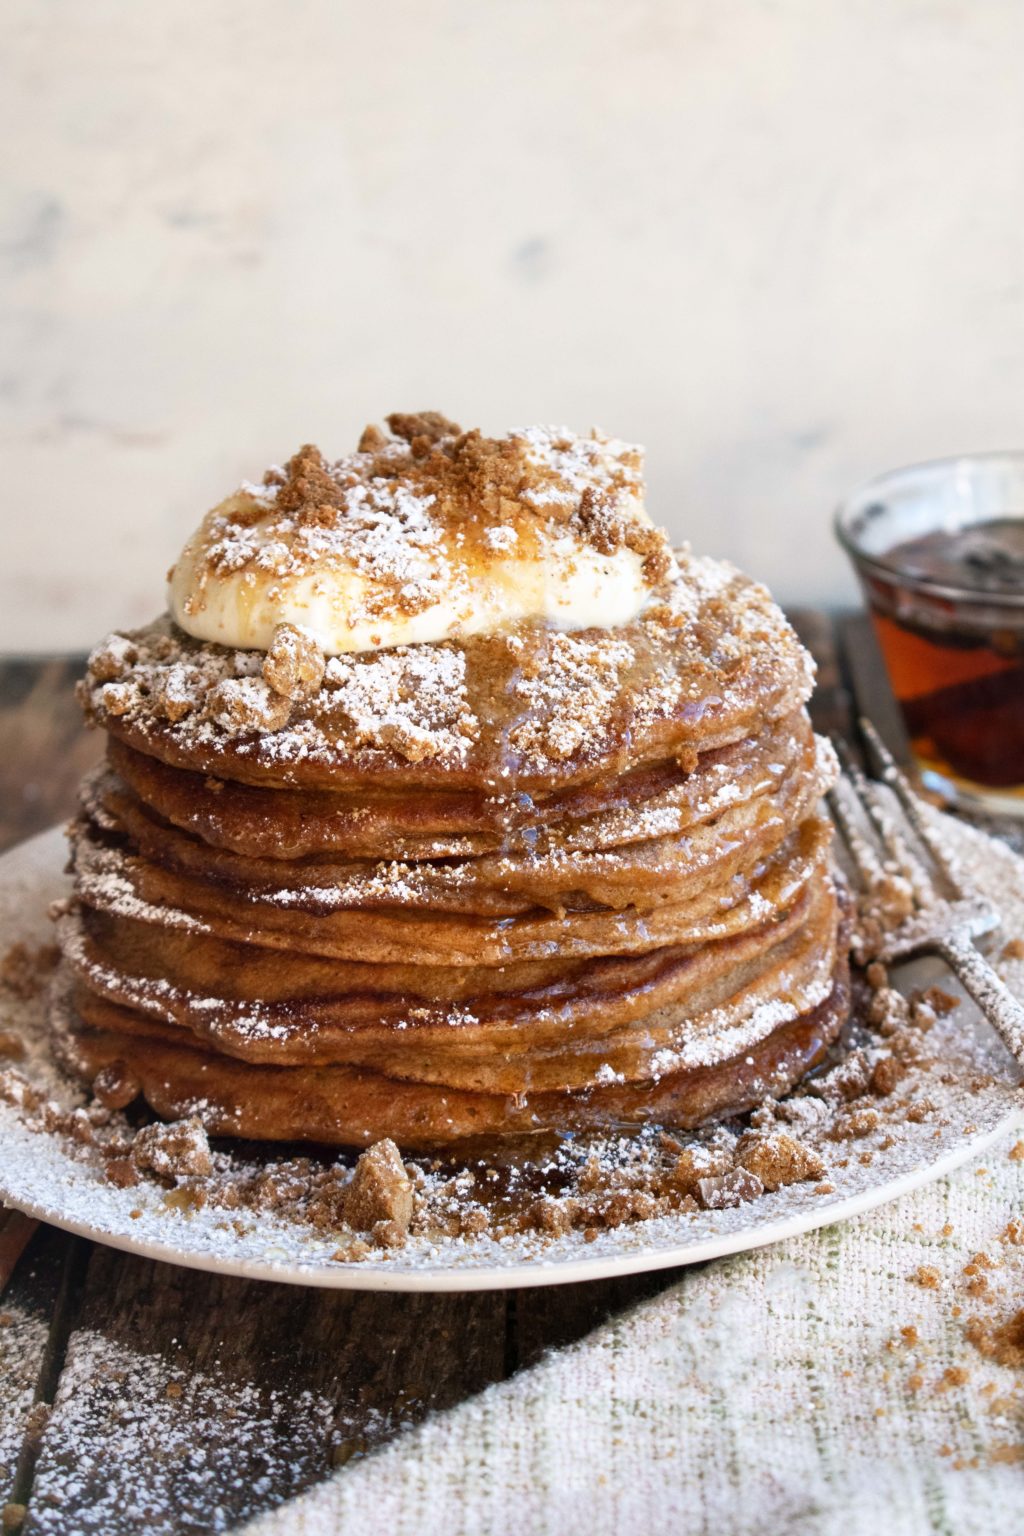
(841, 802)
(898, 782)
(889, 835)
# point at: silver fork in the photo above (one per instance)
(894, 846)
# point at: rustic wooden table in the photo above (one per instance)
(136, 1396)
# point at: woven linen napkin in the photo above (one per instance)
(864, 1379)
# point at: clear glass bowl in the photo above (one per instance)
(939, 549)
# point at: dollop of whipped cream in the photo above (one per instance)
(423, 534)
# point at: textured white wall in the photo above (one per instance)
(779, 243)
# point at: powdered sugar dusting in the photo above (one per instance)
(146, 1436)
(570, 698)
(102, 877)
(413, 701)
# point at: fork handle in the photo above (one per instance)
(989, 991)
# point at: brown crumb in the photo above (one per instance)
(1013, 949)
(174, 1389)
(952, 1376)
(943, 1002)
(694, 1164)
(858, 1123)
(380, 1192)
(23, 970)
(120, 1172)
(847, 1081)
(12, 1047)
(474, 1222)
(1016, 1152)
(373, 440)
(117, 698)
(554, 1216)
(389, 1234)
(112, 658)
(888, 1010)
(922, 1015)
(626, 1205)
(886, 1074)
(909, 1334)
(410, 425)
(915, 1382)
(174, 695)
(294, 664)
(173, 1151)
(12, 1517)
(240, 704)
(779, 1160)
(1003, 1342)
(926, 1276)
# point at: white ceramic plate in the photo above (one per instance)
(41, 1175)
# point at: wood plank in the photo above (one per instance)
(46, 747)
(31, 1309)
(831, 707)
(190, 1401)
(16, 1232)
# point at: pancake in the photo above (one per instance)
(710, 662)
(303, 1009)
(351, 1107)
(528, 878)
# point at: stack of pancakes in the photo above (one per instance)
(501, 883)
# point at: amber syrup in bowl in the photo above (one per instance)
(939, 550)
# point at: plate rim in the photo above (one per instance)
(527, 1274)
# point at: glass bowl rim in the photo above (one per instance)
(892, 571)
